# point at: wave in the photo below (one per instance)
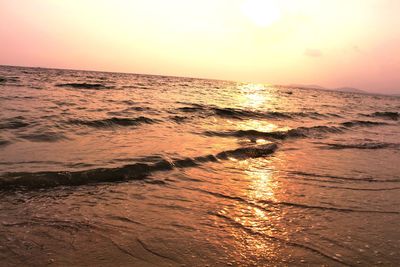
(248, 152)
(13, 123)
(84, 85)
(240, 114)
(377, 145)
(357, 123)
(249, 134)
(319, 129)
(179, 119)
(127, 102)
(137, 171)
(300, 132)
(114, 121)
(44, 137)
(281, 135)
(236, 113)
(389, 115)
(9, 79)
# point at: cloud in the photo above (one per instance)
(313, 52)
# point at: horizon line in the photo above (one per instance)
(299, 86)
(121, 72)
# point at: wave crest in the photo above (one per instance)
(84, 85)
(114, 121)
(127, 172)
(281, 135)
(236, 113)
(13, 123)
(356, 123)
(387, 115)
(374, 145)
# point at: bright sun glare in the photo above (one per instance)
(263, 13)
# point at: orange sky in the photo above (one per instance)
(332, 43)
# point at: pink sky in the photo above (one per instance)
(333, 43)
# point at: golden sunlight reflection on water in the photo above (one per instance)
(253, 224)
(254, 95)
(256, 223)
(258, 125)
(262, 183)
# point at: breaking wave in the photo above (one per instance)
(281, 135)
(236, 113)
(137, 171)
(313, 131)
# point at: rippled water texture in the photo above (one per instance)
(108, 169)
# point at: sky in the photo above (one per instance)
(332, 43)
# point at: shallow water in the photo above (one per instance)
(108, 169)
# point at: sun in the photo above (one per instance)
(262, 13)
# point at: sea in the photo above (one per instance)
(116, 169)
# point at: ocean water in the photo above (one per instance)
(111, 169)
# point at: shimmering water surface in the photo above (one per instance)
(108, 169)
